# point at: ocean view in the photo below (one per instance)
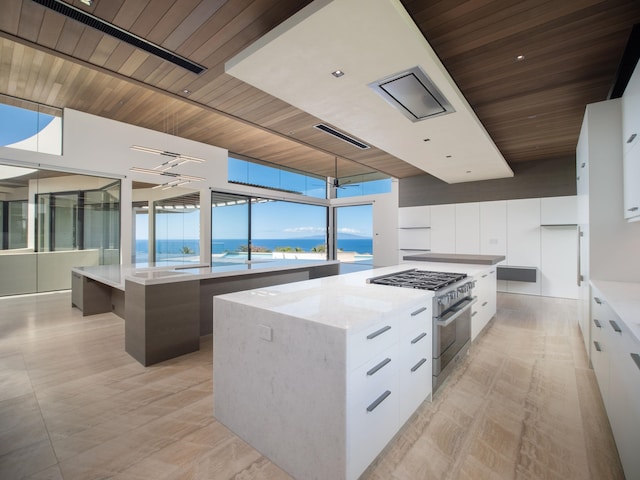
(177, 246)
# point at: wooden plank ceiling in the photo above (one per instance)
(531, 108)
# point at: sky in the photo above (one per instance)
(17, 124)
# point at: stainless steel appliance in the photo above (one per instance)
(451, 313)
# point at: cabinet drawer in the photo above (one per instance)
(368, 342)
(375, 375)
(415, 383)
(415, 318)
(372, 424)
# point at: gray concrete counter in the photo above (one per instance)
(455, 258)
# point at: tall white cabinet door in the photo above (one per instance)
(443, 228)
(468, 228)
(559, 210)
(559, 247)
(559, 262)
(493, 228)
(523, 241)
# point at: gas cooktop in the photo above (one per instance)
(421, 279)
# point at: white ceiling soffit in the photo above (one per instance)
(369, 41)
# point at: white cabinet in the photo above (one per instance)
(631, 167)
(485, 307)
(631, 112)
(467, 229)
(523, 241)
(630, 149)
(599, 347)
(390, 375)
(616, 362)
(443, 228)
(493, 228)
(559, 210)
(559, 247)
(559, 261)
(624, 395)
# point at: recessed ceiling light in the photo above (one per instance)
(186, 92)
(337, 73)
(87, 2)
(519, 58)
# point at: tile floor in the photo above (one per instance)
(75, 406)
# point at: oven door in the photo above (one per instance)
(452, 330)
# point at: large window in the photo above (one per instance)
(354, 238)
(30, 126)
(254, 228)
(275, 178)
(229, 226)
(289, 230)
(177, 229)
(358, 185)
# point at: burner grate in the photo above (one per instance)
(420, 279)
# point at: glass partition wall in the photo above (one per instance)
(53, 221)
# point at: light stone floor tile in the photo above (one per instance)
(73, 405)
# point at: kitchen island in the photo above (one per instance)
(167, 308)
(320, 375)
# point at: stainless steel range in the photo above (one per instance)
(451, 313)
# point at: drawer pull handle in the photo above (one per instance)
(597, 345)
(597, 323)
(418, 338)
(636, 358)
(378, 401)
(419, 311)
(615, 326)
(418, 365)
(632, 209)
(373, 335)
(484, 276)
(631, 138)
(474, 314)
(379, 366)
(485, 304)
(597, 300)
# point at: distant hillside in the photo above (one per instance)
(343, 236)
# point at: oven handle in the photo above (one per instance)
(459, 310)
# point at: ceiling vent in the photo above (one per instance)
(342, 136)
(414, 94)
(108, 28)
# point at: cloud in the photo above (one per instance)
(305, 230)
(353, 231)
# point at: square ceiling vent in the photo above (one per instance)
(414, 94)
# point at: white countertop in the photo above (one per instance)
(624, 299)
(115, 275)
(344, 301)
